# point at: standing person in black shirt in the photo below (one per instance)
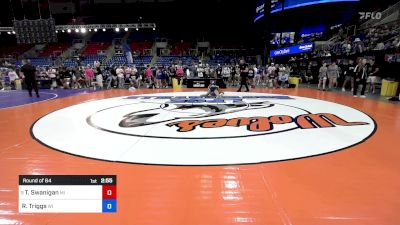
(218, 71)
(349, 74)
(244, 72)
(374, 76)
(233, 74)
(29, 74)
(111, 77)
(360, 77)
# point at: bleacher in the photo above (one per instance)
(141, 46)
(142, 60)
(183, 60)
(181, 48)
(93, 48)
(117, 60)
(90, 59)
(222, 60)
(42, 62)
(70, 63)
(14, 50)
(54, 49)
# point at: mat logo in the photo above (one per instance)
(188, 113)
(188, 129)
(263, 124)
(191, 107)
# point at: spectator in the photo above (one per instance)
(250, 77)
(283, 77)
(149, 77)
(360, 77)
(13, 77)
(53, 77)
(112, 78)
(348, 76)
(226, 73)
(374, 76)
(258, 75)
(244, 72)
(380, 46)
(99, 74)
(121, 77)
(333, 74)
(179, 74)
(322, 77)
(89, 75)
(272, 75)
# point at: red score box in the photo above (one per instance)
(109, 192)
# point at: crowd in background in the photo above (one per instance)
(131, 77)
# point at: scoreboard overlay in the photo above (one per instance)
(67, 193)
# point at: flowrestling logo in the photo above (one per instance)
(187, 129)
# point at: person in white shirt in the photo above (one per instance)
(200, 71)
(271, 69)
(226, 73)
(135, 77)
(322, 77)
(128, 72)
(120, 76)
(187, 72)
(380, 46)
(333, 75)
(13, 77)
(272, 76)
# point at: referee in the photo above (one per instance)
(244, 73)
(28, 72)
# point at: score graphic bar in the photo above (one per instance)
(69, 194)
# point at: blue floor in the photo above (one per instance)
(17, 98)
